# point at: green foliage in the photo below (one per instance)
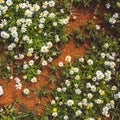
(89, 87)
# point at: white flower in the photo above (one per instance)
(10, 48)
(68, 58)
(42, 20)
(108, 5)
(54, 23)
(97, 27)
(64, 89)
(99, 75)
(77, 77)
(22, 5)
(14, 34)
(25, 38)
(25, 66)
(107, 62)
(4, 35)
(19, 22)
(1, 91)
(101, 92)
(64, 21)
(51, 15)
(118, 4)
(81, 59)
(45, 4)
(35, 7)
(60, 64)
(31, 50)
(53, 102)
(57, 39)
(78, 112)
(103, 55)
(90, 105)
(70, 102)
(18, 86)
(80, 104)
(24, 77)
(105, 111)
(90, 95)
(65, 117)
(112, 64)
(76, 69)
(106, 45)
(108, 75)
(38, 72)
(56, 98)
(93, 88)
(9, 2)
(28, 22)
(15, 57)
(8, 67)
(90, 62)
(59, 89)
(61, 10)
(2, 1)
(54, 114)
(99, 101)
(51, 3)
(23, 28)
(21, 56)
(44, 62)
(118, 94)
(78, 91)
(44, 49)
(11, 77)
(41, 25)
(44, 14)
(94, 79)
(68, 83)
(28, 13)
(90, 119)
(71, 72)
(88, 85)
(84, 101)
(50, 59)
(76, 85)
(49, 44)
(36, 57)
(33, 80)
(4, 21)
(116, 15)
(31, 62)
(112, 20)
(29, 41)
(114, 88)
(26, 91)
(1, 25)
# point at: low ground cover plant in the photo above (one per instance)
(91, 84)
(31, 33)
(89, 88)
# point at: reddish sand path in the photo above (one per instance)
(34, 102)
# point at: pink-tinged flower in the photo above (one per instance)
(17, 80)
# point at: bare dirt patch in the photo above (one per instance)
(34, 102)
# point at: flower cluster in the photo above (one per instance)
(31, 33)
(90, 86)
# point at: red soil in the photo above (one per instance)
(34, 102)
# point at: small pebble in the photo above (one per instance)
(1, 91)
